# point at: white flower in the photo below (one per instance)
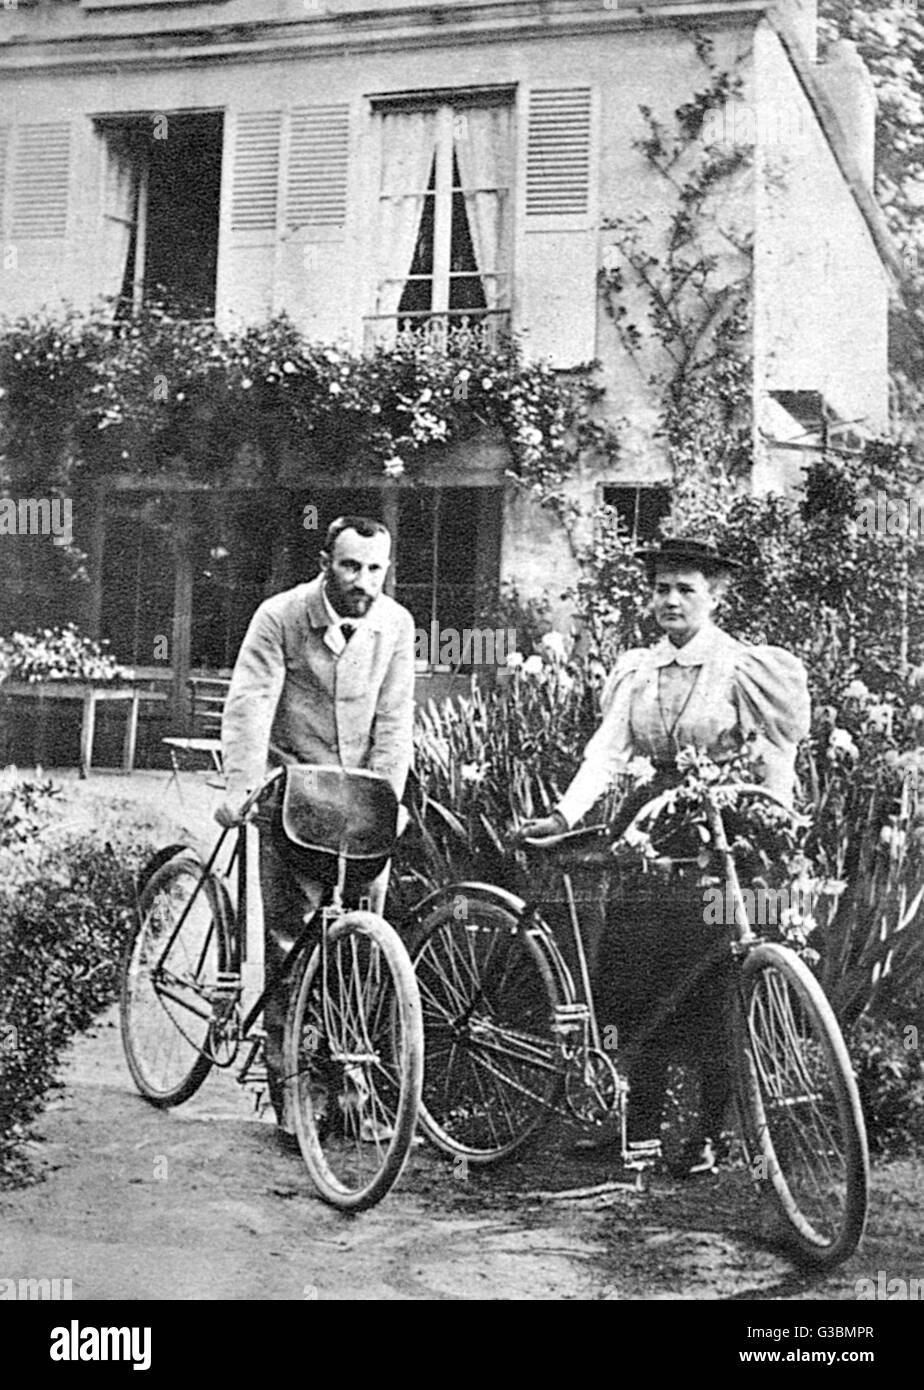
(486, 383)
(879, 717)
(553, 646)
(289, 367)
(473, 772)
(393, 467)
(532, 666)
(894, 837)
(335, 388)
(514, 659)
(425, 396)
(916, 712)
(841, 742)
(856, 690)
(530, 435)
(641, 770)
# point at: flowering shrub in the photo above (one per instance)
(61, 654)
(133, 396)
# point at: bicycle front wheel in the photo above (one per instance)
(800, 1107)
(489, 995)
(354, 1060)
(169, 972)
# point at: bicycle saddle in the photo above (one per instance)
(588, 846)
(339, 810)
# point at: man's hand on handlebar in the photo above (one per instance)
(230, 812)
(543, 828)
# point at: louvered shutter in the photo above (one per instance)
(40, 177)
(316, 184)
(559, 249)
(558, 153)
(255, 187)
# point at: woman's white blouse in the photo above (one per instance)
(734, 691)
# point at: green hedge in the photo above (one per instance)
(62, 929)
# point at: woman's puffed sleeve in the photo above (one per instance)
(610, 748)
(771, 691)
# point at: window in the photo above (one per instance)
(137, 587)
(445, 219)
(243, 547)
(640, 508)
(160, 215)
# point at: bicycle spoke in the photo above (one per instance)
(803, 1127)
(168, 976)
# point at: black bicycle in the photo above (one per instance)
(353, 1042)
(512, 1034)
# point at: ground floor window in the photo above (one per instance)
(220, 554)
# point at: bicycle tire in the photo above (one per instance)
(476, 1105)
(800, 1108)
(180, 1031)
(354, 1078)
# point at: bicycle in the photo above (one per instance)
(353, 1038)
(513, 1038)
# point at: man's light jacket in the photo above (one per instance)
(293, 700)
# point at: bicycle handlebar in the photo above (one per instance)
(255, 795)
(653, 808)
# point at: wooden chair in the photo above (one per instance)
(207, 702)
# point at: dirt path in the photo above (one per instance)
(199, 1203)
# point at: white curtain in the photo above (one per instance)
(484, 152)
(408, 145)
(119, 210)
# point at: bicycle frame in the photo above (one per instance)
(238, 932)
(579, 1009)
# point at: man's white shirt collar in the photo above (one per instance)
(696, 652)
(334, 639)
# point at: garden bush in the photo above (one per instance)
(63, 924)
(890, 1077)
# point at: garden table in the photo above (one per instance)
(90, 695)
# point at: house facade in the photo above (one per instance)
(377, 168)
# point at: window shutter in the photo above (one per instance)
(316, 185)
(255, 186)
(558, 152)
(40, 178)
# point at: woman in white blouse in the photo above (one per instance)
(697, 687)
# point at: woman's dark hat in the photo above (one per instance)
(692, 554)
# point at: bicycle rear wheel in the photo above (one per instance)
(354, 1060)
(166, 994)
(801, 1112)
(489, 996)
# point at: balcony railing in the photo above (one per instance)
(452, 331)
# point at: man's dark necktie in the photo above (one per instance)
(347, 629)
